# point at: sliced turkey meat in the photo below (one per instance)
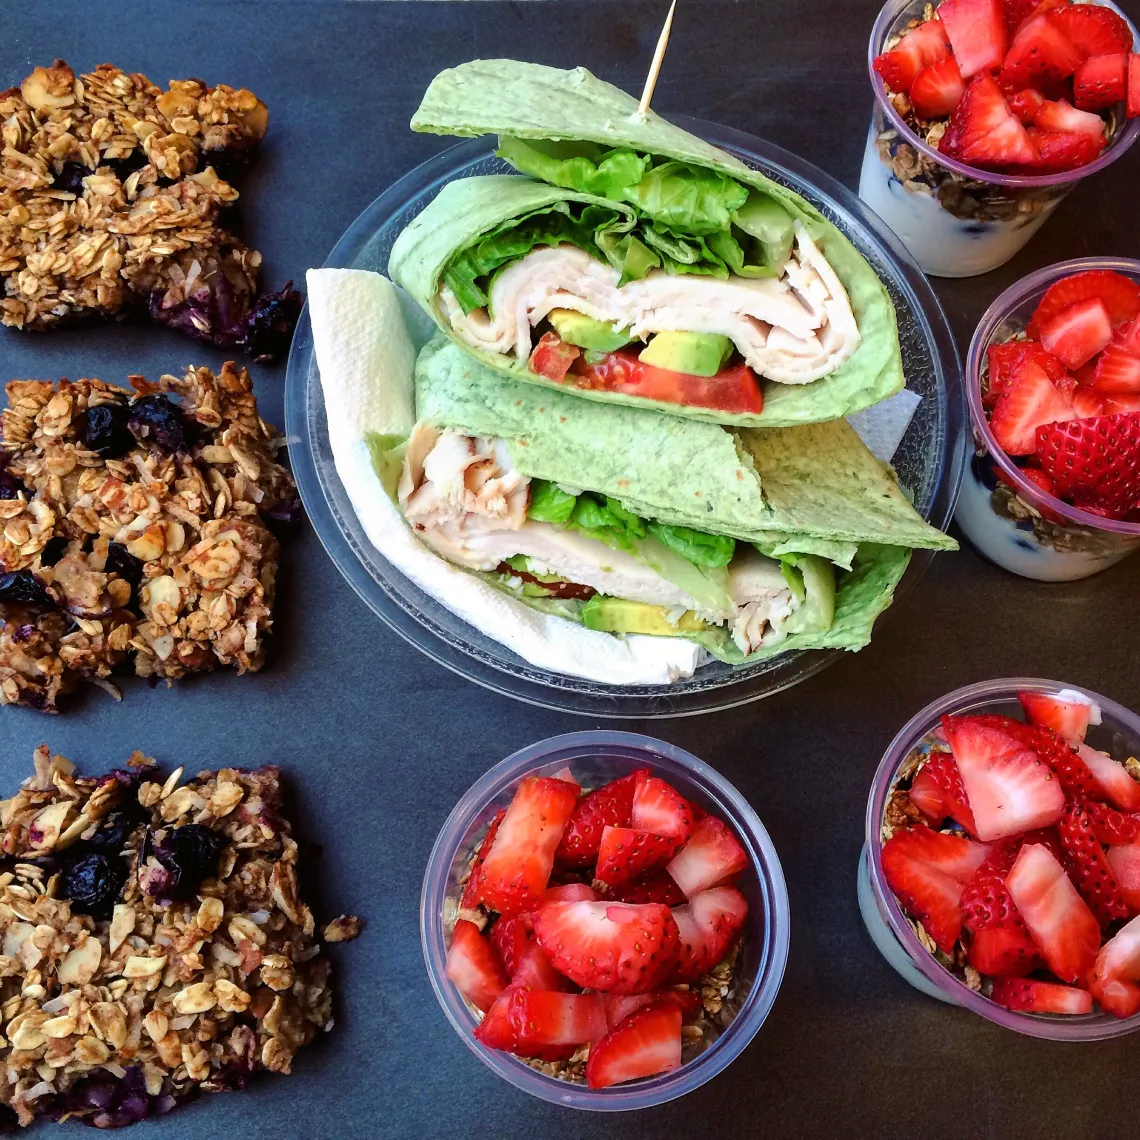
(794, 328)
(765, 599)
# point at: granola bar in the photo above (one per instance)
(155, 944)
(116, 199)
(135, 531)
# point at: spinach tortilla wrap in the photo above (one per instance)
(636, 264)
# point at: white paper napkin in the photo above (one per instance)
(882, 426)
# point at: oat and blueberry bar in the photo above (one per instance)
(116, 199)
(155, 943)
(134, 530)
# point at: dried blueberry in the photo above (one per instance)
(229, 163)
(157, 419)
(54, 549)
(186, 855)
(270, 323)
(22, 587)
(105, 430)
(93, 884)
(10, 486)
(112, 834)
(288, 511)
(70, 178)
(122, 562)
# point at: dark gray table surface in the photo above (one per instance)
(379, 742)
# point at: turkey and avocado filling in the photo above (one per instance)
(585, 557)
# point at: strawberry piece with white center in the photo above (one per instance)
(928, 871)
(1041, 55)
(1088, 868)
(983, 131)
(712, 856)
(1120, 294)
(625, 853)
(1025, 105)
(937, 89)
(647, 1043)
(620, 1006)
(474, 967)
(1113, 780)
(1000, 945)
(1101, 82)
(1029, 401)
(977, 33)
(656, 886)
(1124, 859)
(660, 809)
(1115, 981)
(1076, 334)
(1127, 336)
(1059, 920)
(1132, 94)
(570, 892)
(470, 897)
(525, 961)
(926, 795)
(917, 50)
(1041, 997)
(707, 926)
(1058, 151)
(1117, 371)
(1060, 115)
(940, 774)
(1067, 713)
(1095, 461)
(517, 869)
(610, 805)
(1008, 788)
(1092, 28)
(616, 947)
(527, 1021)
(1004, 360)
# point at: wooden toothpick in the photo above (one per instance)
(655, 66)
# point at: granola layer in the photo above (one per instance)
(114, 200)
(200, 969)
(156, 555)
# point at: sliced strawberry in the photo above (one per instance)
(977, 33)
(1088, 867)
(1122, 404)
(474, 967)
(1132, 95)
(1058, 151)
(660, 809)
(708, 925)
(1111, 827)
(1017, 12)
(1078, 333)
(1068, 719)
(941, 769)
(610, 805)
(568, 777)
(927, 871)
(1117, 371)
(1127, 337)
(510, 937)
(1095, 461)
(1032, 475)
(648, 1042)
(517, 868)
(570, 892)
(926, 795)
(1124, 859)
(1115, 981)
(1095, 29)
(470, 897)
(983, 131)
(625, 853)
(534, 1019)
(1101, 82)
(498, 1030)
(1029, 401)
(1059, 115)
(1009, 790)
(1004, 952)
(712, 856)
(1041, 997)
(655, 886)
(1025, 104)
(1059, 920)
(918, 49)
(1113, 781)
(1088, 403)
(1120, 294)
(1040, 55)
(616, 947)
(620, 1006)
(1072, 772)
(1001, 945)
(937, 89)
(1004, 360)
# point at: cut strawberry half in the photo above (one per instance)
(941, 770)
(1003, 361)
(655, 886)
(616, 947)
(977, 33)
(1093, 28)
(1069, 719)
(1132, 94)
(1059, 115)
(497, 1030)
(470, 896)
(1000, 945)
(707, 925)
(1095, 461)
(1115, 981)
(926, 795)
(610, 805)
(1078, 333)
(1088, 404)
(1124, 859)
(918, 49)
(1008, 788)
(524, 1020)
(1028, 401)
(517, 868)
(1111, 827)
(937, 89)
(1117, 372)
(1039, 56)
(625, 853)
(647, 1043)
(928, 871)
(620, 1006)
(525, 961)
(1101, 82)
(1120, 294)
(474, 967)
(1072, 772)
(1058, 151)
(712, 856)
(1025, 104)
(660, 809)
(1088, 868)
(1040, 997)
(1127, 337)
(1113, 781)
(570, 892)
(1059, 920)
(983, 131)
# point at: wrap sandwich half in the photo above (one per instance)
(637, 264)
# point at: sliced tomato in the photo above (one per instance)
(552, 357)
(732, 389)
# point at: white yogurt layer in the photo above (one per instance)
(943, 245)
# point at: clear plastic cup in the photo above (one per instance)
(1005, 516)
(594, 758)
(957, 220)
(1119, 734)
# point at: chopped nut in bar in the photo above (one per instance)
(114, 201)
(135, 530)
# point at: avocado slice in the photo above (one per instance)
(617, 615)
(698, 354)
(585, 332)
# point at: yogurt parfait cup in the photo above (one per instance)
(893, 932)
(1006, 516)
(595, 758)
(957, 220)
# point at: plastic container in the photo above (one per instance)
(1006, 517)
(1119, 734)
(957, 220)
(594, 758)
(929, 460)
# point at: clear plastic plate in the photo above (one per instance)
(929, 460)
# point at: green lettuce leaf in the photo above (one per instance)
(549, 503)
(711, 550)
(694, 199)
(576, 166)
